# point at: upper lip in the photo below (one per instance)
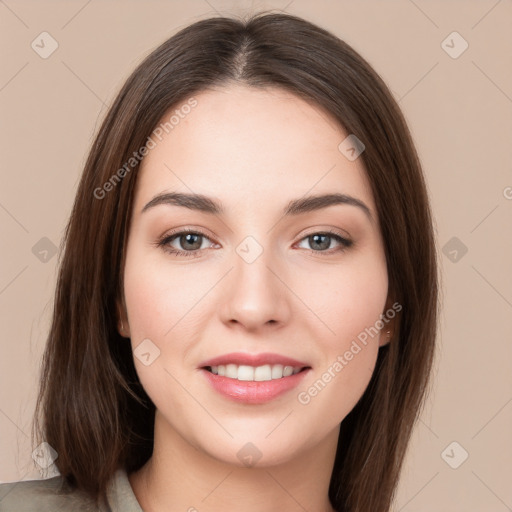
(240, 358)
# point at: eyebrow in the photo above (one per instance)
(212, 206)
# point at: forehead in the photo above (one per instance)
(246, 145)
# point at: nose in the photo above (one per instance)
(255, 295)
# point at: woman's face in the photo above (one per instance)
(258, 285)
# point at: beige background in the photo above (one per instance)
(460, 113)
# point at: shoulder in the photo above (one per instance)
(52, 494)
(55, 495)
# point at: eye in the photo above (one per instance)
(191, 241)
(320, 242)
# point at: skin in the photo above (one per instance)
(254, 150)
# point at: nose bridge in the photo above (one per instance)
(255, 296)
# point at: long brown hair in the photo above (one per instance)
(92, 408)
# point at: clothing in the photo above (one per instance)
(55, 495)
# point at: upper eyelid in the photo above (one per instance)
(175, 234)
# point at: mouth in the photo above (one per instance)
(255, 373)
(253, 379)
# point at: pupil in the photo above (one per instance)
(190, 239)
(319, 243)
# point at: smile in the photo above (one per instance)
(254, 373)
(253, 378)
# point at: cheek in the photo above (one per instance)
(346, 299)
(164, 305)
(360, 300)
(157, 300)
(349, 303)
(334, 390)
(348, 362)
(159, 296)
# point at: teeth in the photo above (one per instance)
(251, 373)
(232, 371)
(245, 372)
(287, 371)
(263, 373)
(277, 371)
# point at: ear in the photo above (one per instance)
(123, 327)
(391, 320)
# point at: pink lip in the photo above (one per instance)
(240, 358)
(252, 392)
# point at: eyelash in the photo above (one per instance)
(166, 239)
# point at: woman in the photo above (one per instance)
(246, 307)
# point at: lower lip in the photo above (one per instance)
(252, 392)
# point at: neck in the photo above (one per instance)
(181, 477)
